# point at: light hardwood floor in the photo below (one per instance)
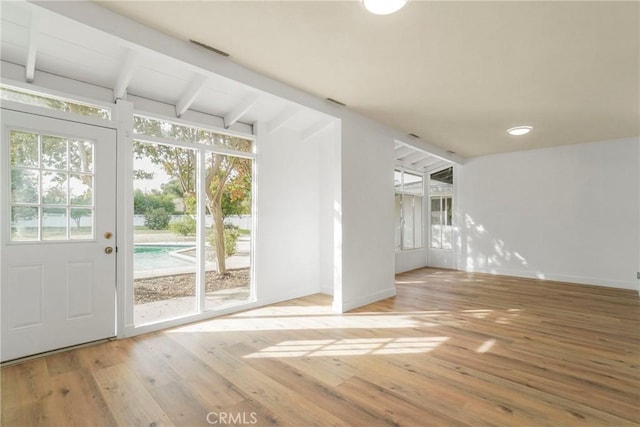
(450, 349)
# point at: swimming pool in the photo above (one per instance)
(155, 257)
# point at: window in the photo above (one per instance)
(51, 187)
(189, 134)
(24, 96)
(409, 189)
(441, 186)
(192, 219)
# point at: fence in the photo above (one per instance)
(242, 221)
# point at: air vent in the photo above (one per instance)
(212, 49)
(414, 135)
(336, 102)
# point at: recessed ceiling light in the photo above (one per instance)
(383, 7)
(519, 130)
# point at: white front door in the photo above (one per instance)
(58, 264)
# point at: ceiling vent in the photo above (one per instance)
(336, 102)
(212, 49)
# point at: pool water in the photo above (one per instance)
(148, 257)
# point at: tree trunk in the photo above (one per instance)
(214, 190)
(218, 229)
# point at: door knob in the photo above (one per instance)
(108, 250)
(108, 235)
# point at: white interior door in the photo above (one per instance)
(57, 225)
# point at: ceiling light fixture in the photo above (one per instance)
(383, 7)
(519, 130)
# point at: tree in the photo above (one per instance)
(236, 199)
(79, 211)
(144, 202)
(227, 178)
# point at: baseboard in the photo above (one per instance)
(368, 299)
(286, 296)
(582, 280)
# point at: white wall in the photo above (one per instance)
(410, 260)
(570, 213)
(287, 228)
(329, 193)
(367, 216)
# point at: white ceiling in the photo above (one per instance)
(458, 74)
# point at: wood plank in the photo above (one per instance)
(79, 400)
(128, 399)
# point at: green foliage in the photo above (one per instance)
(236, 199)
(172, 187)
(230, 240)
(184, 227)
(143, 202)
(156, 219)
(190, 204)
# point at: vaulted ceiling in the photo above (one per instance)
(458, 74)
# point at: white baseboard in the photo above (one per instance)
(582, 280)
(286, 296)
(368, 299)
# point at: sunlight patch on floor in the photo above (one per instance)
(349, 347)
(486, 346)
(378, 321)
(289, 310)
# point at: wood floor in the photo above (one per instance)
(451, 349)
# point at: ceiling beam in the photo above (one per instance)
(240, 110)
(282, 119)
(34, 32)
(438, 165)
(190, 95)
(315, 129)
(403, 152)
(126, 74)
(428, 162)
(415, 157)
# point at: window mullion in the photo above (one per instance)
(201, 232)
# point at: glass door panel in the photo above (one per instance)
(165, 207)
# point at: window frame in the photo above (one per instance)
(446, 217)
(405, 197)
(201, 152)
(41, 92)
